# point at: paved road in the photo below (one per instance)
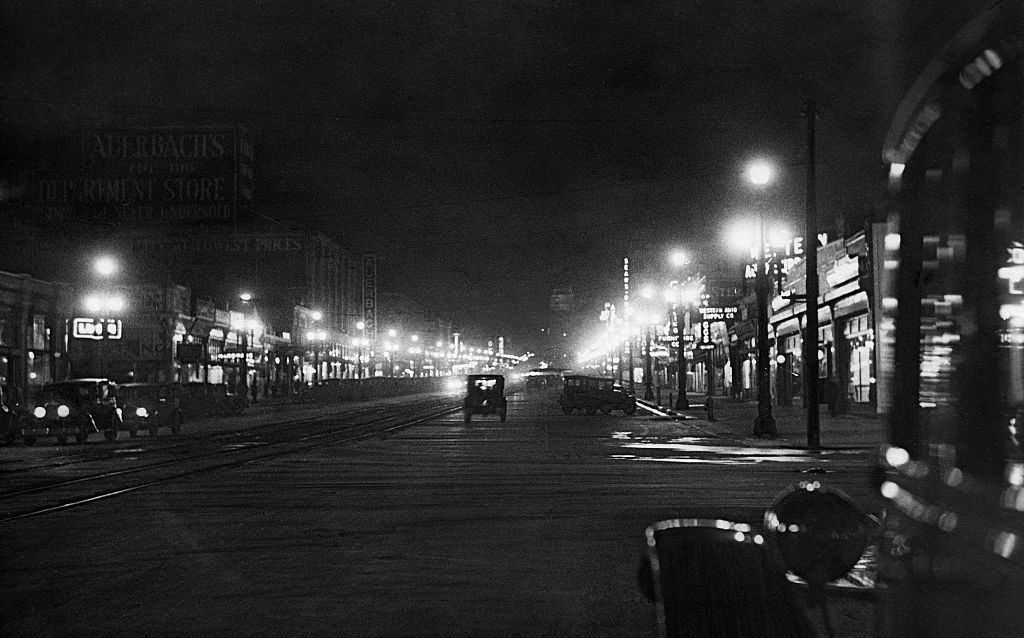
(528, 528)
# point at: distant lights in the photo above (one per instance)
(980, 68)
(759, 173)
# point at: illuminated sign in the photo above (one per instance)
(370, 296)
(718, 313)
(92, 328)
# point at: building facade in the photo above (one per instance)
(34, 316)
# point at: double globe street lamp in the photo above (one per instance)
(760, 174)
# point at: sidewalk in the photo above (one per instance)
(734, 419)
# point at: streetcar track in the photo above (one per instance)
(291, 446)
(166, 444)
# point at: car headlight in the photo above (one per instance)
(454, 385)
(141, 412)
(39, 412)
(63, 411)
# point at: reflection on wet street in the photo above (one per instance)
(714, 450)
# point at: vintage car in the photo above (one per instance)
(10, 418)
(151, 406)
(485, 394)
(76, 408)
(591, 394)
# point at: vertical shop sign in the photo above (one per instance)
(370, 295)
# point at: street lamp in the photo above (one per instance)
(760, 174)
(418, 360)
(248, 328)
(105, 303)
(361, 326)
(681, 298)
(317, 339)
(682, 295)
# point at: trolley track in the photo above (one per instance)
(57, 496)
(80, 454)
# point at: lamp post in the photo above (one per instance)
(648, 367)
(679, 260)
(105, 304)
(361, 326)
(246, 328)
(760, 174)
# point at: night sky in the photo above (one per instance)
(489, 151)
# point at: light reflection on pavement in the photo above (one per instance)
(707, 450)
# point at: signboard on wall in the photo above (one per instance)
(150, 176)
(370, 295)
(93, 328)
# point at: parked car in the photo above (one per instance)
(10, 418)
(151, 406)
(591, 394)
(76, 408)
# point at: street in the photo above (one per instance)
(532, 527)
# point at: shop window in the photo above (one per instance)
(8, 330)
(38, 369)
(40, 333)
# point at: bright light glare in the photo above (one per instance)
(317, 315)
(897, 456)
(742, 236)
(759, 173)
(245, 296)
(890, 489)
(679, 258)
(392, 333)
(115, 304)
(105, 266)
(778, 237)
(93, 303)
(361, 325)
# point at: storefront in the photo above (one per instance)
(34, 315)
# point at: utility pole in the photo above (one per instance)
(810, 341)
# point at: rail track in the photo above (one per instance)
(210, 453)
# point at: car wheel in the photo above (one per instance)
(467, 417)
(590, 410)
(82, 436)
(154, 428)
(605, 409)
(10, 438)
(111, 435)
(566, 410)
(503, 413)
(30, 440)
(133, 431)
(629, 410)
(178, 422)
(62, 439)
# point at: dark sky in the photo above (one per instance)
(488, 151)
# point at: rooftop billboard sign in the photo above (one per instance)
(147, 177)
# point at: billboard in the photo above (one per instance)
(148, 177)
